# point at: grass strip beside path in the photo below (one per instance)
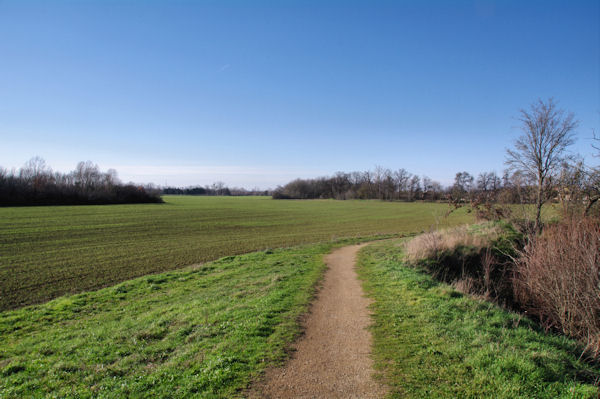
(199, 332)
(431, 341)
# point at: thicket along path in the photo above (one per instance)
(332, 358)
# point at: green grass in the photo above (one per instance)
(209, 330)
(205, 331)
(46, 252)
(431, 341)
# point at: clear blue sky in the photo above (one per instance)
(255, 93)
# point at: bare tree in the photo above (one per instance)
(463, 185)
(379, 174)
(571, 186)
(111, 178)
(401, 178)
(340, 185)
(367, 189)
(488, 184)
(36, 172)
(414, 188)
(436, 190)
(427, 187)
(388, 185)
(495, 182)
(219, 188)
(87, 175)
(541, 149)
(484, 181)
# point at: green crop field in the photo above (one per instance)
(46, 252)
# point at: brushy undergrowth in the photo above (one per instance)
(557, 279)
(52, 251)
(431, 341)
(477, 259)
(205, 331)
(553, 277)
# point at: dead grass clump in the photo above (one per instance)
(476, 259)
(557, 279)
(434, 244)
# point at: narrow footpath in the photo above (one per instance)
(332, 358)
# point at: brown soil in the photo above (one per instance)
(332, 357)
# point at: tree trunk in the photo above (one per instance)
(539, 203)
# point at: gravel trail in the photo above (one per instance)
(332, 358)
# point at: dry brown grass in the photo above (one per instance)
(431, 245)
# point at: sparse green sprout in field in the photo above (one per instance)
(51, 251)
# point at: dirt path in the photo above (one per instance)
(332, 357)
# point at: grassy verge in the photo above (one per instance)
(46, 252)
(432, 341)
(203, 331)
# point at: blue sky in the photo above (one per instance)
(258, 93)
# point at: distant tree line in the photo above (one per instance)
(573, 184)
(217, 188)
(540, 170)
(380, 183)
(36, 184)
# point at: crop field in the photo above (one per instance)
(50, 251)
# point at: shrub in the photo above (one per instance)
(475, 259)
(557, 279)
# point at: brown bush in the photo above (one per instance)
(557, 279)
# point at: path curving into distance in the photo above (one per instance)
(332, 358)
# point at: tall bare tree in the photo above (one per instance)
(36, 172)
(541, 149)
(401, 178)
(414, 188)
(463, 185)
